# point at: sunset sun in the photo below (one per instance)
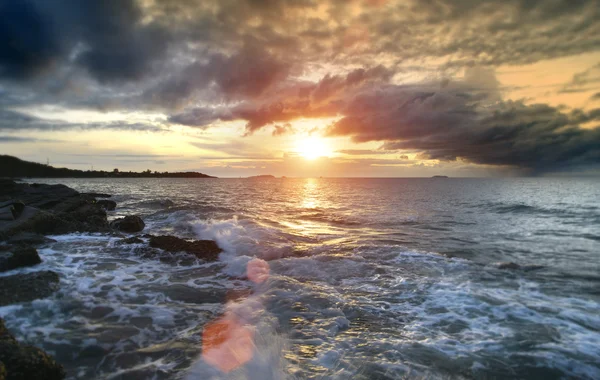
(312, 148)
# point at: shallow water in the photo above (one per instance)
(369, 279)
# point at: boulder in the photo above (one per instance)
(19, 257)
(50, 209)
(203, 249)
(29, 238)
(24, 362)
(37, 195)
(130, 223)
(107, 204)
(131, 240)
(27, 287)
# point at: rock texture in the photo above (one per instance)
(50, 209)
(27, 287)
(18, 257)
(203, 249)
(24, 362)
(130, 223)
(107, 204)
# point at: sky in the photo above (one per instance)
(304, 88)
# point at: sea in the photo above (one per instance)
(330, 278)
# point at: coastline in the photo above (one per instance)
(31, 213)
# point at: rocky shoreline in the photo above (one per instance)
(29, 212)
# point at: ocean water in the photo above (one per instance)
(364, 279)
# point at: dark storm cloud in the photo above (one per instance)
(105, 37)
(447, 126)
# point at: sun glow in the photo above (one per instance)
(312, 148)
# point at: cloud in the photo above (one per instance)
(17, 121)
(20, 139)
(446, 125)
(363, 152)
(279, 130)
(587, 80)
(108, 38)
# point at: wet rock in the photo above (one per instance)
(203, 249)
(107, 204)
(19, 257)
(130, 223)
(37, 195)
(51, 209)
(29, 238)
(27, 287)
(24, 362)
(131, 240)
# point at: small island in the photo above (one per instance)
(13, 167)
(440, 176)
(262, 176)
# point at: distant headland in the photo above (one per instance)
(440, 176)
(262, 176)
(13, 167)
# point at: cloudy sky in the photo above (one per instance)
(303, 87)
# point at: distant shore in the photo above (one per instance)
(13, 167)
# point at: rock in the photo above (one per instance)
(97, 195)
(6, 213)
(203, 249)
(51, 209)
(508, 265)
(37, 195)
(18, 258)
(29, 238)
(107, 204)
(131, 240)
(130, 223)
(24, 362)
(27, 287)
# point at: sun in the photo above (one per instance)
(312, 148)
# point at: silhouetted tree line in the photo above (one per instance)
(14, 167)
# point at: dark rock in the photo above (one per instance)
(203, 249)
(27, 287)
(37, 195)
(51, 209)
(130, 223)
(97, 195)
(29, 238)
(24, 362)
(18, 258)
(107, 204)
(131, 240)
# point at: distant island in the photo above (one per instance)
(262, 176)
(440, 176)
(13, 167)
